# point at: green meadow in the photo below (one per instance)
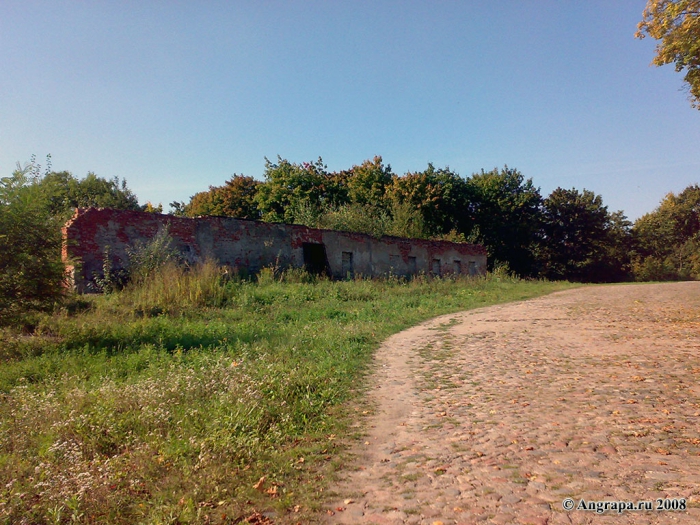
(171, 400)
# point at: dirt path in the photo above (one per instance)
(496, 415)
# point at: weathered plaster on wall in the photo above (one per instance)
(254, 245)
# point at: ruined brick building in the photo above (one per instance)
(252, 245)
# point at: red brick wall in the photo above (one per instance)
(247, 244)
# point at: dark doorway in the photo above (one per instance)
(348, 269)
(412, 265)
(315, 259)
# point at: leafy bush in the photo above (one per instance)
(148, 257)
(32, 276)
(654, 269)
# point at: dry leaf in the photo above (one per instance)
(259, 484)
(258, 519)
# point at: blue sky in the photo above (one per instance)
(176, 96)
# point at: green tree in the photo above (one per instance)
(619, 249)
(507, 218)
(441, 197)
(63, 193)
(149, 207)
(667, 238)
(236, 198)
(31, 272)
(676, 24)
(582, 241)
(367, 183)
(290, 188)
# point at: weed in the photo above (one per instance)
(169, 400)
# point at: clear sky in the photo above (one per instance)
(175, 96)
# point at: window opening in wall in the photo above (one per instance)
(348, 270)
(436, 267)
(394, 262)
(315, 259)
(472, 267)
(457, 267)
(412, 266)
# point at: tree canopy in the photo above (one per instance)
(676, 24)
(64, 193)
(580, 238)
(236, 198)
(569, 235)
(667, 240)
(507, 217)
(31, 272)
(33, 207)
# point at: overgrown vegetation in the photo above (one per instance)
(168, 401)
(569, 234)
(186, 394)
(667, 240)
(31, 271)
(34, 205)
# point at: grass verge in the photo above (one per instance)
(193, 398)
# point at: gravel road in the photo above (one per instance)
(498, 415)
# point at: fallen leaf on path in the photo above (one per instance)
(258, 519)
(259, 484)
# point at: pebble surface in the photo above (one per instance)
(497, 415)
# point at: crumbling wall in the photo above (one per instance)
(253, 245)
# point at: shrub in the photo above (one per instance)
(146, 258)
(32, 276)
(654, 269)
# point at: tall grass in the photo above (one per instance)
(168, 401)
